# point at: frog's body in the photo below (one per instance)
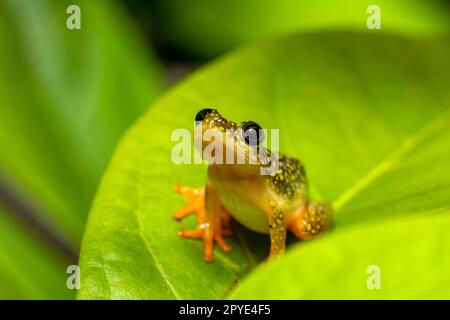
(264, 203)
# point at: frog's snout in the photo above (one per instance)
(202, 114)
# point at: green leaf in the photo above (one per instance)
(66, 96)
(203, 28)
(367, 114)
(410, 255)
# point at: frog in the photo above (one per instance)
(265, 203)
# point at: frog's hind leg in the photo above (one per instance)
(213, 221)
(311, 220)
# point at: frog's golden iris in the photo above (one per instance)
(263, 203)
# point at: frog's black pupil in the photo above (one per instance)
(201, 115)
(253, 134)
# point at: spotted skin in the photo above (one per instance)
(269, 204)
(277, 232)
(289, 178)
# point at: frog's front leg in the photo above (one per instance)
(195, 198)
(213, 221)
(277, 232)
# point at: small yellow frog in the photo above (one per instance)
(264, 203)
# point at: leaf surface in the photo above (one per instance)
(402, 259)
(367, 114)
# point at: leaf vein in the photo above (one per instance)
(149, 249)
(440, 123)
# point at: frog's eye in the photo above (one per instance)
(253, 134)
(201, 115)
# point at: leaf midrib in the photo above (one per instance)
(411, 143)
(148, 247)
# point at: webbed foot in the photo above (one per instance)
(210, 228)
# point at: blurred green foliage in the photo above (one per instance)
(29, 269)
(205, 28)
(66, 96)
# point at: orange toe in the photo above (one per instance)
(210, 228)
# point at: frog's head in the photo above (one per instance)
(234, 147)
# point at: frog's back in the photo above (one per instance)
(289, 182)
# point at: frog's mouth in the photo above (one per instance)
(227, 150)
